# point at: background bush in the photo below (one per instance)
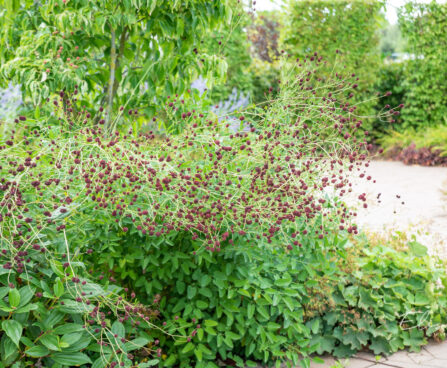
(203, 241)
(250, 47)
(344, 33)
(391, 86)
(424, 27)
(232, 43)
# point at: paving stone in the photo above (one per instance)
(369, 356)
(438, 350)
(436, 363)
(430, 364)
(421, 357)
(328, 363)
(401, 357)
(433, 355)
(359, 363)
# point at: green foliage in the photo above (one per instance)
(344, 33)
(434, 137)
(391, 40)
(386, 299)
(232, 44)
(83, 211)
(159, 216)
(43, 319)
(391, 78)
(122, 52)
(250, 49)
(260, 304)
(425, 28)
(232, 246)
(245, 299)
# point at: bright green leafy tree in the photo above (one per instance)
(120, 51)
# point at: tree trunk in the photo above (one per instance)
(110, 93)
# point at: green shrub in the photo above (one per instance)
(425, 28)
(344, 33)
(434, 138)
(228, 243)
(44, 315)
(385, 299)
(247, 300)
(250, 49)
(231, 43)
(260, 304)
(87, 197)
(391, 78)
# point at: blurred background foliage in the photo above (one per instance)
(425, 28)
(345, 33)
(236, 58)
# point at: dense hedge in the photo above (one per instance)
(425, 28)
(391, 86)
(344, 32)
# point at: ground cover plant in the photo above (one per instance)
(387, 299)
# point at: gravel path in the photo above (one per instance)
(423, 190)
